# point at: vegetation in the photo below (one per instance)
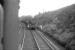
(60, 23)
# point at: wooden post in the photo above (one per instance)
(11, 25)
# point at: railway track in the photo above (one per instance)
(27, 41)
(35, 40)
(52, 44)
(41, 43)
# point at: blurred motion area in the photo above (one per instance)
(9, 24)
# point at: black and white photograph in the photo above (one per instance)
(37, 24)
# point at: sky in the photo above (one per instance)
(33, 7)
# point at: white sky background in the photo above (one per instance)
(33, 7)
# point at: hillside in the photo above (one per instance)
(60, 23)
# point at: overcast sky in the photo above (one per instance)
(33, 7)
